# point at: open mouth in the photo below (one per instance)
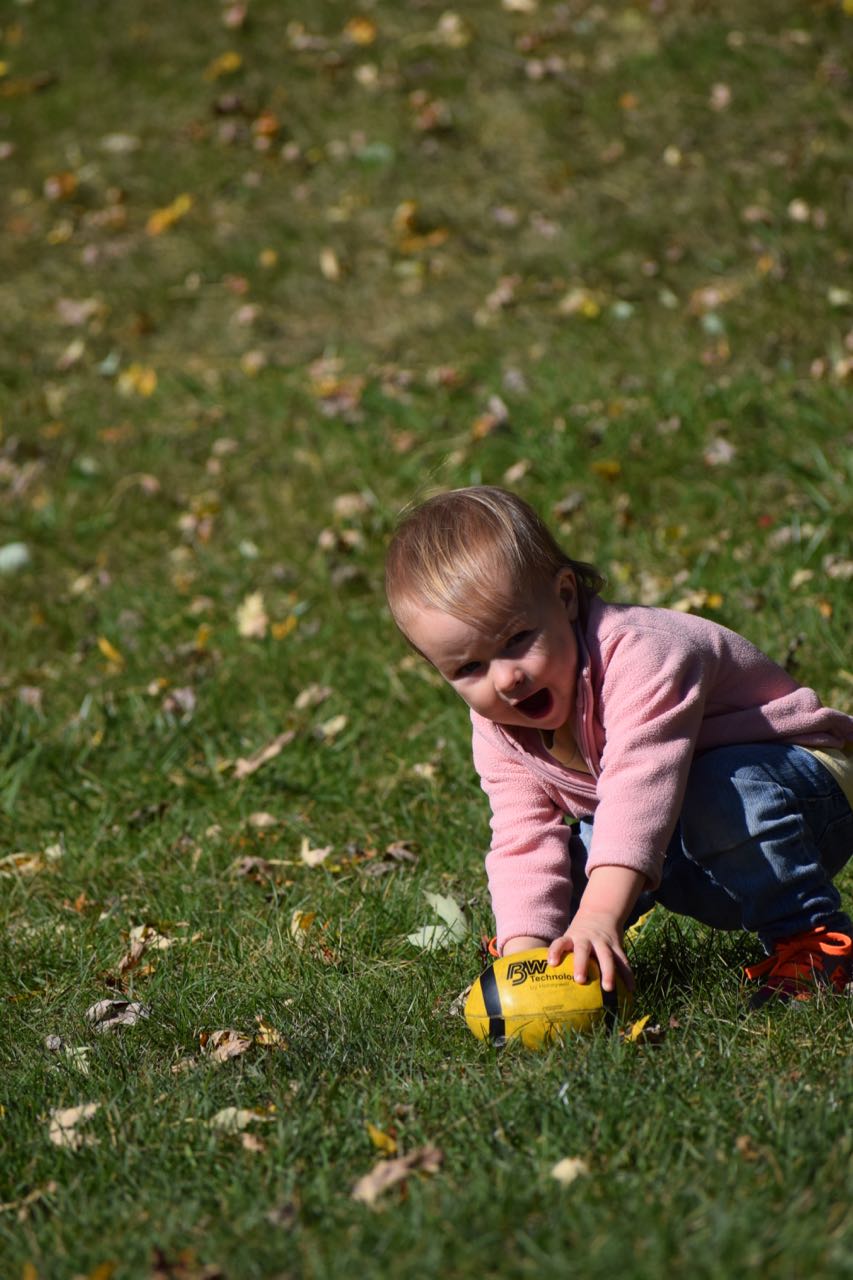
(537, 705)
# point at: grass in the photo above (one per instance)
(182, 413)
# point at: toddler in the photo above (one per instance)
(703, 776)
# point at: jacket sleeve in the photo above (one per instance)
(528, 864)
(651, 705)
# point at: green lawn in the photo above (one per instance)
(261, 284)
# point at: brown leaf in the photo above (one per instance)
(110, 1015)
(220, 1046)
(389, 1173)
(245, 767)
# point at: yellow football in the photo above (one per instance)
(523, 996)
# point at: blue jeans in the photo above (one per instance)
(762, 833)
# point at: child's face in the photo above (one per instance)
(525, 676)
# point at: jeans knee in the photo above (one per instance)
(730, 800)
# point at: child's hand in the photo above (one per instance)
(595, 934)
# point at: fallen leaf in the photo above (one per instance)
(389, 1173)
(311, 696)
(62, 1126)
(431, 937)
(300, 923)
(110, 652)
(251, 1142)
(143, 938)
(29, 864)
(607, 468)
(225, 65)
(258, 869)
(568, 1170)
(330, 266)
(382, 1141)
(162, 219)
(314, 857)
(361, 30)
(331, 728)
(635, 1030)
(719, 452)
(580, 302)
(262, 821)
(221, 1046)
(110, 1015)
(248, 765)
(267, 1034)
(235, 1119)
(251, 616)
(137, 380)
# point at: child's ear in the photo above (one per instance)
(567, 588)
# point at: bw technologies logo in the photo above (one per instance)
(520, 970)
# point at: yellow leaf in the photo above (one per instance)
(607, 468)
(300, 923)
(580, 302)
(636, 1029)
(225, 65)
(267, 1034)
(382, 1141)
(162, 219)
(361, 30)
(110, 652)
(137, 379)
(280, 630)
(638, 926)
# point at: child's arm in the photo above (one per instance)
(596, 929)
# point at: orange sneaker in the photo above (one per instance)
(801, 965)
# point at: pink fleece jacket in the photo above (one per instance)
(654, 687)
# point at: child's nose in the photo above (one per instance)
(508, 676)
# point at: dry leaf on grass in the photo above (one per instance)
(311, 696)
(431, 937)
(313, 857)
(220, 1046)
(235, 1119)
(267, 1034)
(143, 937)
(62, 1126)
(389, 1173)
(110, 1015)
(30, 864)
(262, 821)
(244, 767)
(330, 729)
(382, 1141)
(568, 1170)
(259, 870)
(300, 923)
(251, 616)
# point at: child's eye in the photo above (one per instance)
(467, 669)
(518, 638)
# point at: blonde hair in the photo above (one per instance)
(478, 554)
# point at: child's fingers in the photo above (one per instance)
(559, 947)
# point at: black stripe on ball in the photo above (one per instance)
(492, 1001)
